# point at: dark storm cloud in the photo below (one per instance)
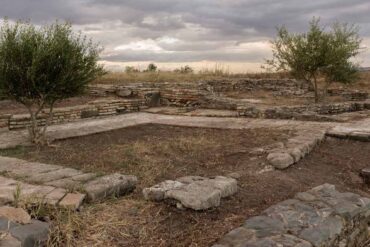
(192, 30)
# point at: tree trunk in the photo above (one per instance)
(316, 90)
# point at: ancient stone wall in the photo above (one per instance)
(320, 217)
(290, 112)
(95, 109)
(280, 86)
(4, 120)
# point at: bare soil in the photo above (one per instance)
(12, 107)
(155, 153)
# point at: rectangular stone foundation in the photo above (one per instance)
(320, 217)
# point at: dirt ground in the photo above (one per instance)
(12, 107)
(155, 153)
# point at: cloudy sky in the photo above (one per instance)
(232, 33)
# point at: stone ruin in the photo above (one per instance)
(320, 217)
(193, 192)
(208, 94)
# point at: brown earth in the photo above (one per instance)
(155, 153)
(12, 107)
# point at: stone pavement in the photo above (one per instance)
(52, 183)
(13, 138)
(320, 217)
(358, 130)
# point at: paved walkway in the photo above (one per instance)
(13, 138)
(358, 131)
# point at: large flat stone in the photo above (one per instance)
(27, 169)
(198, 196)
(72, 200)
(53, 175)
(17, 215)
(157, 192)
(34, 234)
(110, 185)
(280, 160)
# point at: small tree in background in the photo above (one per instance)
(40, 66)
(318, 54)
(151, 68)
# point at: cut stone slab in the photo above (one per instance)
(54, 175)
(18, 215)
(72, 200)
(33, 234)
(109, 185)
(72, 183)
(280, 160)
(25, 169)
(6, 224)
(157, 192)
(55, 196)
(197, 196)
(365, 174)
(9, 241)
(320, 217)
(194, 192)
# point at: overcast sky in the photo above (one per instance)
(234, 33)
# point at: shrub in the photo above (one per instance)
(318, 54)
(40, 66)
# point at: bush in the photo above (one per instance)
(318, 54)
(40, 66)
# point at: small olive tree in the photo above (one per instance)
(318, 54)
(40, 66)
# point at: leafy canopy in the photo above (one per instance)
(318, 52)
(42, 65)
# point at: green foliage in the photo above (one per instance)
(131, 69)
(151, 68)
(318, 53)
(39, 66)
(184, 70)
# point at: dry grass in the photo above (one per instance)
(167, 76)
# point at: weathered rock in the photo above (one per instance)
(72, 200)
(6, 224)
(193, 192)
(18, 215)
(33, 234)
(198, 196)
(157, 192)
(109, 185)
(280, 160)
(320, 217)
(124, 93)
(9, 241)
(365, 174)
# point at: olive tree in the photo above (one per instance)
(42, 65)
(318, 54)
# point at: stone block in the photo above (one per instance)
(54, 175)
(17, 215)
(280, 160)
(72, 200)
(55, 196)
(157, 192)
(9, 241)
(33, 234)
(109, 185)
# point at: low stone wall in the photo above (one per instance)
(290, 112)
(320, 217)
(4, 120)
(243, 85)
(349, 95)
(95, 109)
